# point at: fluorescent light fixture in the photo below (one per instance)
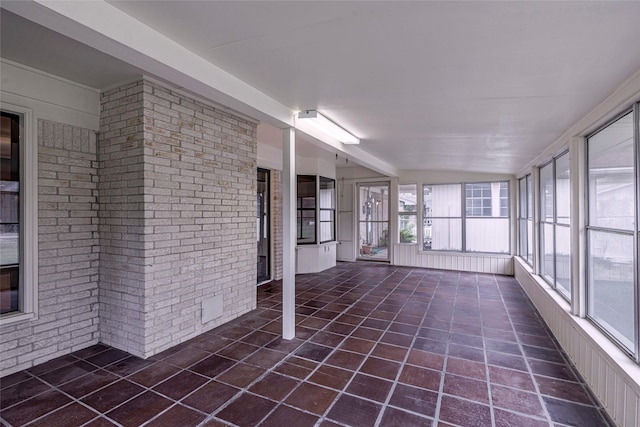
(327, 126)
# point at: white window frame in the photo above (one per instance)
(28, 299)
(634, 351)
(413, 213)
(553, 222)
(332, 210)
(525, 219)
(464, 217)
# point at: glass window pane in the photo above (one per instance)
(308, 202)
(327, 202)
(563, 258)
(326, 215)
(9, 212)
(407, 198)
(546, 258)
(546, 193)
(522, 238)
(504, 199)
(487, 199)
(427, 200)
(306, 226)
(327, 231)
(375, 203)
(610, 284)
(306, 186)
(563, 190)
(522, 197)
(408, 228)
(444, 200)
(530, 241)
(374, 240)
(327, 198)
(487, 235)
(9, 244)
(611, 176)
(443, 234)
(9, 289)
(529, 198)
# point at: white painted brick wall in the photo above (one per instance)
(67, 254)
(136, 230)
(276, 218)
(186, 189)
(202, 171)
(121, 187)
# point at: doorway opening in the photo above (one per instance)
(263, 228)
(373, 222)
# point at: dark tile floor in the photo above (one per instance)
(376, 345)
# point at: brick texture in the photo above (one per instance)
(121, 200)
(137, 228)
(68, 252)
(177, 216)
(276, 218)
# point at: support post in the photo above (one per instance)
(289, 238)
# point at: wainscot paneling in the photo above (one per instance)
(409, 255)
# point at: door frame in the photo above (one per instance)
(358, 209)
(262, 228)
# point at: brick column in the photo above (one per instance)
(178, 216)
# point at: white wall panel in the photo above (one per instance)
(409, 255)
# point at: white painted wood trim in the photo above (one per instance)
(289, 233)
(50, 97)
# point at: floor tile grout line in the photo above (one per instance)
(335, 319)
(378, 294)
(580, 380)
(74, 399)
(147, 388)
(355, 372)
(526, 361)
(405, 359)
(486, 357)
(272, 369)
(52, 386)
(150, 389)
(444, 367)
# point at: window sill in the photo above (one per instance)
(468, 254)
(316, 245)
(10, 318)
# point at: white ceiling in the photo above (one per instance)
(473, 86)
